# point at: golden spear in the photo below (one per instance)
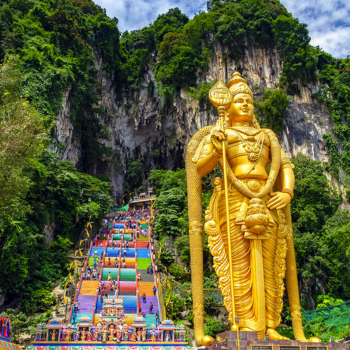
(221, 98)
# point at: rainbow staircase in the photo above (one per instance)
(123, 262)
(124, 259)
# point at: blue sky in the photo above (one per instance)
(328, 20)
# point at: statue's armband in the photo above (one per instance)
(204, 149)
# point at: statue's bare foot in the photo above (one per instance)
(274, 335)
(315, 340)
(207, 340)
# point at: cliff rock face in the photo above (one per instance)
(141, 127)
(304, 124)
(65, 132)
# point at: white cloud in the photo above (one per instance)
(328, 23)
(136, 14)
(328, 20)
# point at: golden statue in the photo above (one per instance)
(252, 241)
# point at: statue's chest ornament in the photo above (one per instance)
(252, 146)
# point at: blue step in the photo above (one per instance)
(142, 253)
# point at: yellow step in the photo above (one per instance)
(147, 288)
(88, 288)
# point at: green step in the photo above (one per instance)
(143, 263)
(91, 260)
(113, 271)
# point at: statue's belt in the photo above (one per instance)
(253, 215)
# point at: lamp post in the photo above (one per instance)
(237, 323)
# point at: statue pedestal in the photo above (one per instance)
(249, 341)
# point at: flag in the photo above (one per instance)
(64, 294)
(81, 254)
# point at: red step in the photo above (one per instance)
(142, 244)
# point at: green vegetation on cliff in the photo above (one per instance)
(334, 92)
(54, 47)
(56, 42)
(38, 194)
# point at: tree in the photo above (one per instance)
(23, 135)
(133, 174)
(273, 105)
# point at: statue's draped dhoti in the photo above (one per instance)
(253, 262)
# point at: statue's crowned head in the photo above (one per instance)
(237, 99)
(238, 85)
(242, 108)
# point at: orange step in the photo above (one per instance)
(88, 287)
(147, 288)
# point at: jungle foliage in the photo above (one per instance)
(271, 108)
(183, 46)
(56, 42)
(38, 193)
(58, 195)
(334, 77)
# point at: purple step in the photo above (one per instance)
(145, 306)
(86, 304)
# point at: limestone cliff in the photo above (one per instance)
(304, 124)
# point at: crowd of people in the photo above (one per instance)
(92, 273)
(135, 232)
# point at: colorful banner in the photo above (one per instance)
(64, 294)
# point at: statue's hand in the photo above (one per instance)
(279, 200)
(216, 137)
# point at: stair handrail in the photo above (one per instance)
(77, 291)
(117, 289)
(120, 258)
(99, 280)
(161, 301)
(155, 278)
(137, 282)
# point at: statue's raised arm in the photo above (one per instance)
(248, 220)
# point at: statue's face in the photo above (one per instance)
(241, 109)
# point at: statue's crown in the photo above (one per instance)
(238, 85)
(221, 95)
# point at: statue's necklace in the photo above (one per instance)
(252, 147)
